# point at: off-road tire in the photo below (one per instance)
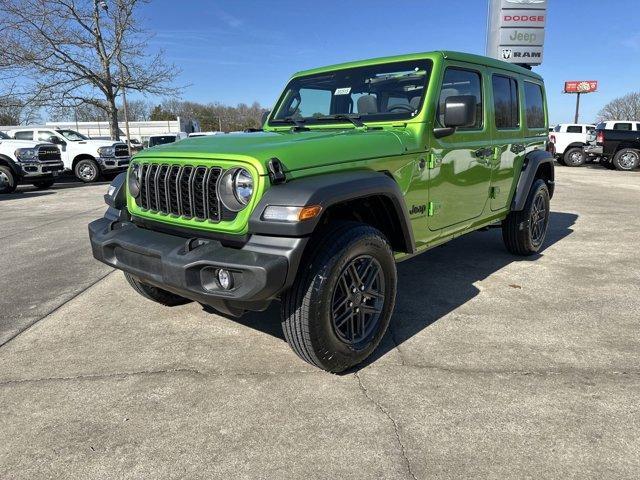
(44, 184)
(308, 306)
(626, 159)
(518, 232)
(8, 182)
(574, 157)
(154, 293)
(87, 170)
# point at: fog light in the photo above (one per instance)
(225, 279)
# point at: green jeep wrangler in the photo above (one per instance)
(358, 166)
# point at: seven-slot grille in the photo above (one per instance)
(48, 153)
(185, 191)
(121, 150)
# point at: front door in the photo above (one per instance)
(460, 164)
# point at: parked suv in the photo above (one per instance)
(22, 161)
(360, 165)
(567, 142)
(617, 142)
(86, 158)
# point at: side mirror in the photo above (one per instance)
(56, 140)
(265, 116)
(459, 111)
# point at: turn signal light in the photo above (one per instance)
(309, 212)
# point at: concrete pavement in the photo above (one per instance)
(495, 366)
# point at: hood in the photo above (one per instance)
(15, 144)
(99, 143)
(296, 150)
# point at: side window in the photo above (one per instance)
(26, 135)
(534, 105)
(574, 129)
(44, 135)
(314, 102)
(457, 81)
(505, 102)
(622, 126)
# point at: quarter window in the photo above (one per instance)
(505, 102)
(622, 126)
(27, 135)
(534, 105)
(461, 82)
(574, 129)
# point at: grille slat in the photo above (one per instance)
(189, 192)
(49, 154)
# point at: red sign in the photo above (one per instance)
(581, 86)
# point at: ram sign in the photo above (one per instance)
(580, 86)
(516, 30)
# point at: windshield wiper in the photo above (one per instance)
(298, 123)
(355, 119)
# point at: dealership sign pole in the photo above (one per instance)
(515, 31)
(579, 87)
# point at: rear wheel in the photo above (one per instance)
(87, 170)
(339, 306)
(8, 181)
(626, 159)
(154, 293)
(524, 232)
(574, 157)
(44, 184)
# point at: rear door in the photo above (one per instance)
(460, 168)
(508, 147)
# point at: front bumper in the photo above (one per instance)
(114, 164)
(261, 269)
(40, 169)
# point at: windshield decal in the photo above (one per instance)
(343, 91)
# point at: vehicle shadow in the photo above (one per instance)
(435, 283)
(63, 183)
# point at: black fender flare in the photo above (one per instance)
(532, 162)
(327, 190)
(9, 162)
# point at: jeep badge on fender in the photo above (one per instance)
(315, 209)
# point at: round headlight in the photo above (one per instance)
(242, 186)
(133, 180)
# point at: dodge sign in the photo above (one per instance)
(516, 30)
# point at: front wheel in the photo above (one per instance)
(87, 170)
(340, 304)
(8, 181)
(524, 232)
(574, 157)
(44, 184)
(154, 293)
(626, 159)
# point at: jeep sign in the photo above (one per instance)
(516, 30)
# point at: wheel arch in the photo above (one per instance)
(364, 195)
(82, 156)
(10, 163)
(538, 164)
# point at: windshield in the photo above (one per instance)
(392, 91)
(72, 135)
(161, 140)
(4, 136)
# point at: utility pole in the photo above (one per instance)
(575, 120)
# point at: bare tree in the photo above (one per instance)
(81, 52)
(15, 112)
(626, 107)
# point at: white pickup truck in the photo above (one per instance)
(567, 142)
(87, 159)
(24, 161)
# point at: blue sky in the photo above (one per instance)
(245, 50)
